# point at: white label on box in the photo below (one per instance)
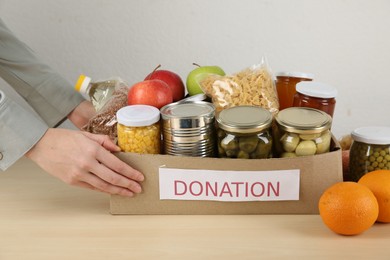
(184, 184)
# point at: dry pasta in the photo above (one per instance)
(253, 86)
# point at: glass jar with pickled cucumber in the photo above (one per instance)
(139, 129)
(244, 132)
(370, 151)
(302, 131)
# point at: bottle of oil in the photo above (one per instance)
(98, 92)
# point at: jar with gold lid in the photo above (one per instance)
(302, 131)
(244, 132)
(139, 129)
(370, 151)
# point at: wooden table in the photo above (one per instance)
(43, 218)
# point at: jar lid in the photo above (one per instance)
(303, 120)
(316, 89)
(244, 119)
(138, 115)
(82, 85)
(295, 74)
(372, 135)
(187, 110)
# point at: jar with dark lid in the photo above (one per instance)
(315, 95)
(370, 151)
(244, 132)
(286, 86)
(302, 131)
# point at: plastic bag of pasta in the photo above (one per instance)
(253, 86)
(104, 122)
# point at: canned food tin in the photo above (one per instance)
(188, 129)
(370, 151)
(302, 131)
(244, 133)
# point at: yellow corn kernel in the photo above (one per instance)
(146, 139)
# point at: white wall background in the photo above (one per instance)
(345, 43)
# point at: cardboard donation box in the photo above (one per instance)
(194, 185)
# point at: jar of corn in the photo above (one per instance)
(139, 129)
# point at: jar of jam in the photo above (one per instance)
(285, 86)
(302, 131)
(139, 129)
(243, 132)
(370, 151)
(315, 95)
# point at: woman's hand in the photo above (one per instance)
(84, 159)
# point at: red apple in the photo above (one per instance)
(153, 92)
(172, 79)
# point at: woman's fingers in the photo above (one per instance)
(114, 178)
(118, 166)
(94, 183)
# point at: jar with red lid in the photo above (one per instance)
(316, 95)
(286, 84)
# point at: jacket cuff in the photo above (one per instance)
(20, 130)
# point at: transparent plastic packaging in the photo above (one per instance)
(98, 92)
(253, 86)
(105, 122)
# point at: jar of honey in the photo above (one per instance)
(285, 86)
(139, 129)
(316, 95)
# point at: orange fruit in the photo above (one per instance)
(348, 208)
(378, 182)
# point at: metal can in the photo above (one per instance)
(370, 151)
(139, 129)
(189, 129)
(243, 132)
(302, 131)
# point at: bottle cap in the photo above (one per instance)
(82, 85)
(138, 115)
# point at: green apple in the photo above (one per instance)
(197, 75)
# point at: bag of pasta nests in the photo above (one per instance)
(253, 86)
